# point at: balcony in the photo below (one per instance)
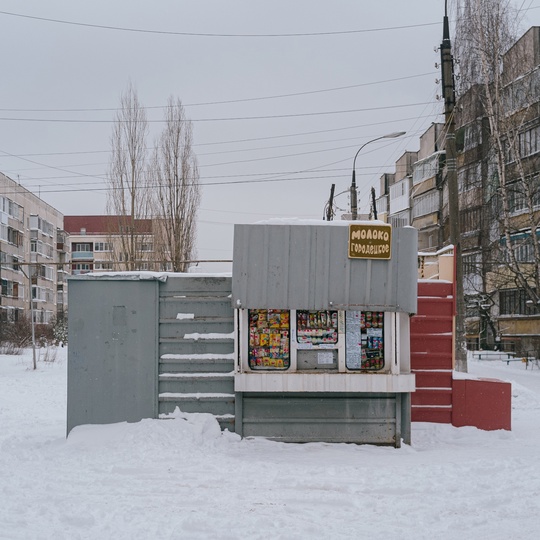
(82, 256)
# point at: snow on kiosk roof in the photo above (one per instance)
(301, 264)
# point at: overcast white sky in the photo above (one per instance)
(378, 78)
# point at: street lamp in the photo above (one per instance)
(354, 202)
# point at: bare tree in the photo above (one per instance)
(128, 196)
(502, 75)
(175, 189)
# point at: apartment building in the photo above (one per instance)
(96, 243)
(427, 192)
(497, 229)
(33, 255)
(500, 217)
(399, 191)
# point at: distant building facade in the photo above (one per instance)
(96, 243)
(33, 255)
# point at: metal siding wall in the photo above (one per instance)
(196, 374)
(358, 418)
(307, 267)
(112, 356)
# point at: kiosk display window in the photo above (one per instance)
(269, 339)
(365, 340)
(317, 328)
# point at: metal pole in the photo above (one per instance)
(34, 362)
(354, 194)
(329, 211)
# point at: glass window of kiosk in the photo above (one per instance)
(269, 339)
(317, 328)
(365, 340)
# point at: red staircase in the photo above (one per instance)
(431, 352)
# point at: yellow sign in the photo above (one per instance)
(370, 241)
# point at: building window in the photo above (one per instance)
(470, 178)
(517, 199)
(522, 245)
(103, 266)
(470, 219)
(81, 268)
(102, 246)
(516, 302)
(426, 168)
(426, 204)
(529, 142)
(145, 246)
(81, 247)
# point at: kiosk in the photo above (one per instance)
(322, 330)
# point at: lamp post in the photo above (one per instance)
(354, 201)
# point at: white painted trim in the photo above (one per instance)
(324, 382)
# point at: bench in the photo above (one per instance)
(494, 355)
(532, 361)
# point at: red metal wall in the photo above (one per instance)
(431, 352)
(484, 403)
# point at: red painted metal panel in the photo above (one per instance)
(435, 288)
(433, 324)
(435, 306)
(431, 343)
(431, 361)
(433, 379)
(431, 353)
(431, 397)
(431, 414)
(484, 403)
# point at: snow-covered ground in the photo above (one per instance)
(182, 479)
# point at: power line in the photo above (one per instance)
(201, 34)
(224, 119)
(29, 182)
(229, 101)
(237, 151)
(253, 139)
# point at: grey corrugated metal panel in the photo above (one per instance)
(173, 327)
(358, 418)
(195, 383)
(201, 346)
(191, 284)
(112, 356)
(189, 365)
(172, 308)
(307, 267)
(197, 403)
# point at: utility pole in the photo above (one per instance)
(449, 94)
(373, 203)
(329, 208)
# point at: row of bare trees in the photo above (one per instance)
(154, 193)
